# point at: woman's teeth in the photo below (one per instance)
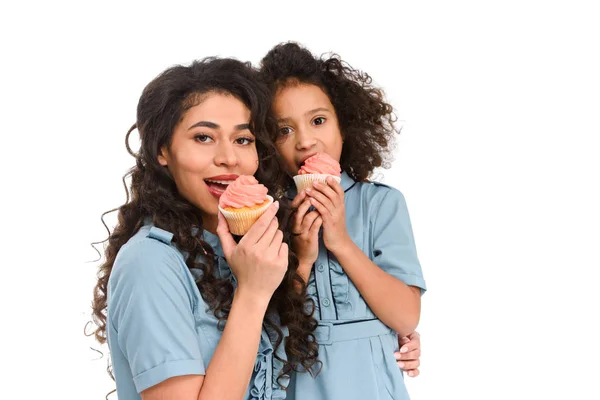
(225, 183)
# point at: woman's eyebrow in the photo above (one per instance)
(206, 124)
(212, 125)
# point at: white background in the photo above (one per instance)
(498, 159)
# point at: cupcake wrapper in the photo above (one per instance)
(305, 181)
(241, 221)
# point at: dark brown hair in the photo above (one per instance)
(152, 194)
(366, 120)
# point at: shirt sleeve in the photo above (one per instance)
(150, 304)
(394, 247)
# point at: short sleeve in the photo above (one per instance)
(394, 247)
(150, 305)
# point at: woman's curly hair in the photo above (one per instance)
(366, 120)
(152, 195)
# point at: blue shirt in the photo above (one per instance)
(355, 347)
(159, 326)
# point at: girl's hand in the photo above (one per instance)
(328, 199)
(305, 231)
(408, 358)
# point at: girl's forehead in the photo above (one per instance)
(302, 97)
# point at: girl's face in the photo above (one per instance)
(307, 124)
(210, 148)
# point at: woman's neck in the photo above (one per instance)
(209, 223)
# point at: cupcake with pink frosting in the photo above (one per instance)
(317, 168)
(243, 202)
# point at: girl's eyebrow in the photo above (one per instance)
(316, 110)
(287, 119)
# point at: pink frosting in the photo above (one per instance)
(245, 191)
(320, 163)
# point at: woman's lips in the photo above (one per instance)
(216, 189)
(218, 184)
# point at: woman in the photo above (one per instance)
(174, 274)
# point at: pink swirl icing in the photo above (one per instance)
(320, 163)
(245, 191)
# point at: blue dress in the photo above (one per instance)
(356, 349)
(158, 325)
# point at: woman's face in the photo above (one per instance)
(210, 148)
(307, 124)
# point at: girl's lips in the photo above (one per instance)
(303, 159)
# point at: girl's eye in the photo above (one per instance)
(286, 130)
(244, 141)
(319, 121)
(203, 138)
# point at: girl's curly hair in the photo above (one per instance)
(153, 195)
(366, 120)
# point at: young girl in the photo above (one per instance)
(361, 268)
(173, 273)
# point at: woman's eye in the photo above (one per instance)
(319, 121)
(244, 141)
(286, 130)
(203, 138)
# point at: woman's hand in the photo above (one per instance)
(259, 261)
